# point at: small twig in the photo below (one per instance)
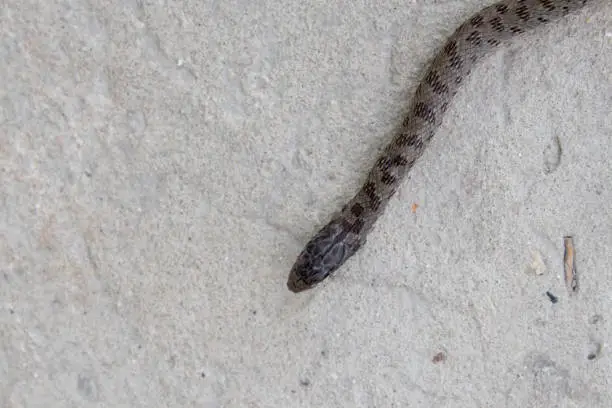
(569, 261)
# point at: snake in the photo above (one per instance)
(477, 37)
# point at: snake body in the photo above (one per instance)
(477, 37)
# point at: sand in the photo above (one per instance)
(163, 163)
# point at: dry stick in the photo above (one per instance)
(569, 260)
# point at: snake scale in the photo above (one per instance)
(475, 38)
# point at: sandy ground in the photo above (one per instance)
(163, 163)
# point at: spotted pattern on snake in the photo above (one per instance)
(477, 37)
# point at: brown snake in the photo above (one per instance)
(473, 40)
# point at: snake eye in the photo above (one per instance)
(317, 276)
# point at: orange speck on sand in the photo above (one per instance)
(439, 357)
(414, 207)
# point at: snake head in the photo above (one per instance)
(324, 253)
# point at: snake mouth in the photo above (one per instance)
(297, 285)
